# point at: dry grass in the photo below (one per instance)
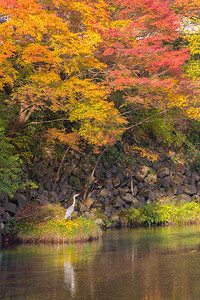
(49, 226)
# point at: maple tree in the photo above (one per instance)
(47, 59)
(142, 57)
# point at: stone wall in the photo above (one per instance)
(115, 187)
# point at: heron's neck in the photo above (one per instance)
(74, 200)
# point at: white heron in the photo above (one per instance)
(70, 210)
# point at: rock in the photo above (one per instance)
(89, 202)
(196, 198)
(53, 197)
(75, 182)
(141, 199)
(108, 174)
(152, 178)
(3, 196)
(116, 181)
(100, 222)
(89, 215)
(163, 172)
(189, 189)
(159, 194)
(168, 199)
(83, 208)
(41, 200)
(109, 184)
(62, 196)
(115, 169)
(118, 202)
(10, 207)
(184, 198)
(140, 185)
(152, 196)
(144, 170)
(120, 175)
(101, 168)
(2, 211)
(115, 219)
(107, 211)
(180, 170)
(165, 181)
(195, 176)
(198, 186)
(135, 190)
(104, 192)
(178, 179)
(1, 227)
(177, 190)
(128, 198)
(144, 193)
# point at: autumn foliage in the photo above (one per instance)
(68, 57)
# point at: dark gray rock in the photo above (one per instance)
(163, 172)
(144, 193)
(198, 187)
(177, 190)
(116, 181)
(179, 180)
(179, 169)
(53, 197)
(11, 208)
(152, 195)
(75, 182)
(195, 176)
(108, 174)
(20, 199)
(61, 196)
(128, 198)
(165, 181)
(135, 190)
(118, 202)
(140, 186)
(140, 199)
(115, 169)
(109, 184)
(189, 189)
(108, 211)
(2, 211)
(104, 192)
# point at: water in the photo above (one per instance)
(157, 263)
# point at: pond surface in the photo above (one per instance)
(151, 264)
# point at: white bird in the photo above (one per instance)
(70, 210)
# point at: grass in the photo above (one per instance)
(158, 214)
(47, 224)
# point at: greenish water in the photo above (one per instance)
(157, 263)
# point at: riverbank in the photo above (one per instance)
(46, 224)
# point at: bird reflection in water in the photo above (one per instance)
(69, 277)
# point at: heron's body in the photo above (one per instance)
(70, 210)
